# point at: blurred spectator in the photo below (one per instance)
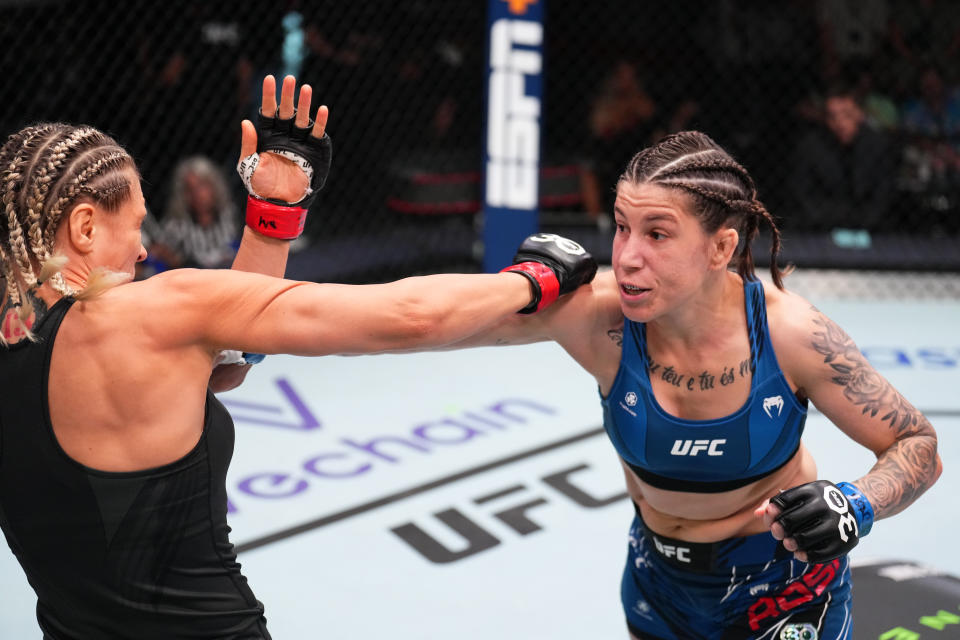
(843, 171)
(852, 34)
(931, 124)
(924, 32)
(621, 121)
(879, 105)
(199, 227)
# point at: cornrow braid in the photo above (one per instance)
(45, 174)
(718, 163)
(105, 161)
(721, 188)
(13, 291)
(25, 148)
(46, 170)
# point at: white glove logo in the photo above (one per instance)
(564, 244)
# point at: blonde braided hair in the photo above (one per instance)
(46, 170)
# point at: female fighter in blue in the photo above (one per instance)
(705, 375)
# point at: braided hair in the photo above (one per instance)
(45, 170)
(721, 189)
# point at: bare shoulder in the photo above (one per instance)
(810, 346)
(794, 325)
(595, 306)
(588, 324)
(603, 295)
(787, 312)
(173, 305)
(178, 287)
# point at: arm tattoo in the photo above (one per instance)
(861, 383)
(902, 473)
(909, 467)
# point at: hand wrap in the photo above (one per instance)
(233, 356)
(826, 520)
(276, 218)
(554, 265)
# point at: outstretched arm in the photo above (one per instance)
(260, 314)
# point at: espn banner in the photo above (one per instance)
(514, 91)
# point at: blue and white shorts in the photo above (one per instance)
(735, 589)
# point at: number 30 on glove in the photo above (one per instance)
(554, 265)
(825, 520)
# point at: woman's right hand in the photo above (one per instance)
(277, 177)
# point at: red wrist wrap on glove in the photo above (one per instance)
(545, 280)
(274, 220)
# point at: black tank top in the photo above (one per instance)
(144, 554)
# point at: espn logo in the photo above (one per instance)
(513, 117)
(693, 447)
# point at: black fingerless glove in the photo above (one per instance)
(825, 519)
(284, 137)
(277, 218)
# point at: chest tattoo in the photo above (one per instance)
(703, 381)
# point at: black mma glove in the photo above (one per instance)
(285, 138)
(276, 218)
(825, 519)
(554, 265)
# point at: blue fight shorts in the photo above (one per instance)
(735, 589)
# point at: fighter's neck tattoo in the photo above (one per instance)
(10, 324)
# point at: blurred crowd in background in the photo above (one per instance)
(847, 112)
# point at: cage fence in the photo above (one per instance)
(779, 84)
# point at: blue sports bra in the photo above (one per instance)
(705, 456)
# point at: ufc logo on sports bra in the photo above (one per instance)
(670, 551)
(693, 447)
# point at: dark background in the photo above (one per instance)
(404, 83)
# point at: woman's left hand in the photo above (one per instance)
(277, 177)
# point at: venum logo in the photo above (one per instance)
(773, 402)
(693, 447)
